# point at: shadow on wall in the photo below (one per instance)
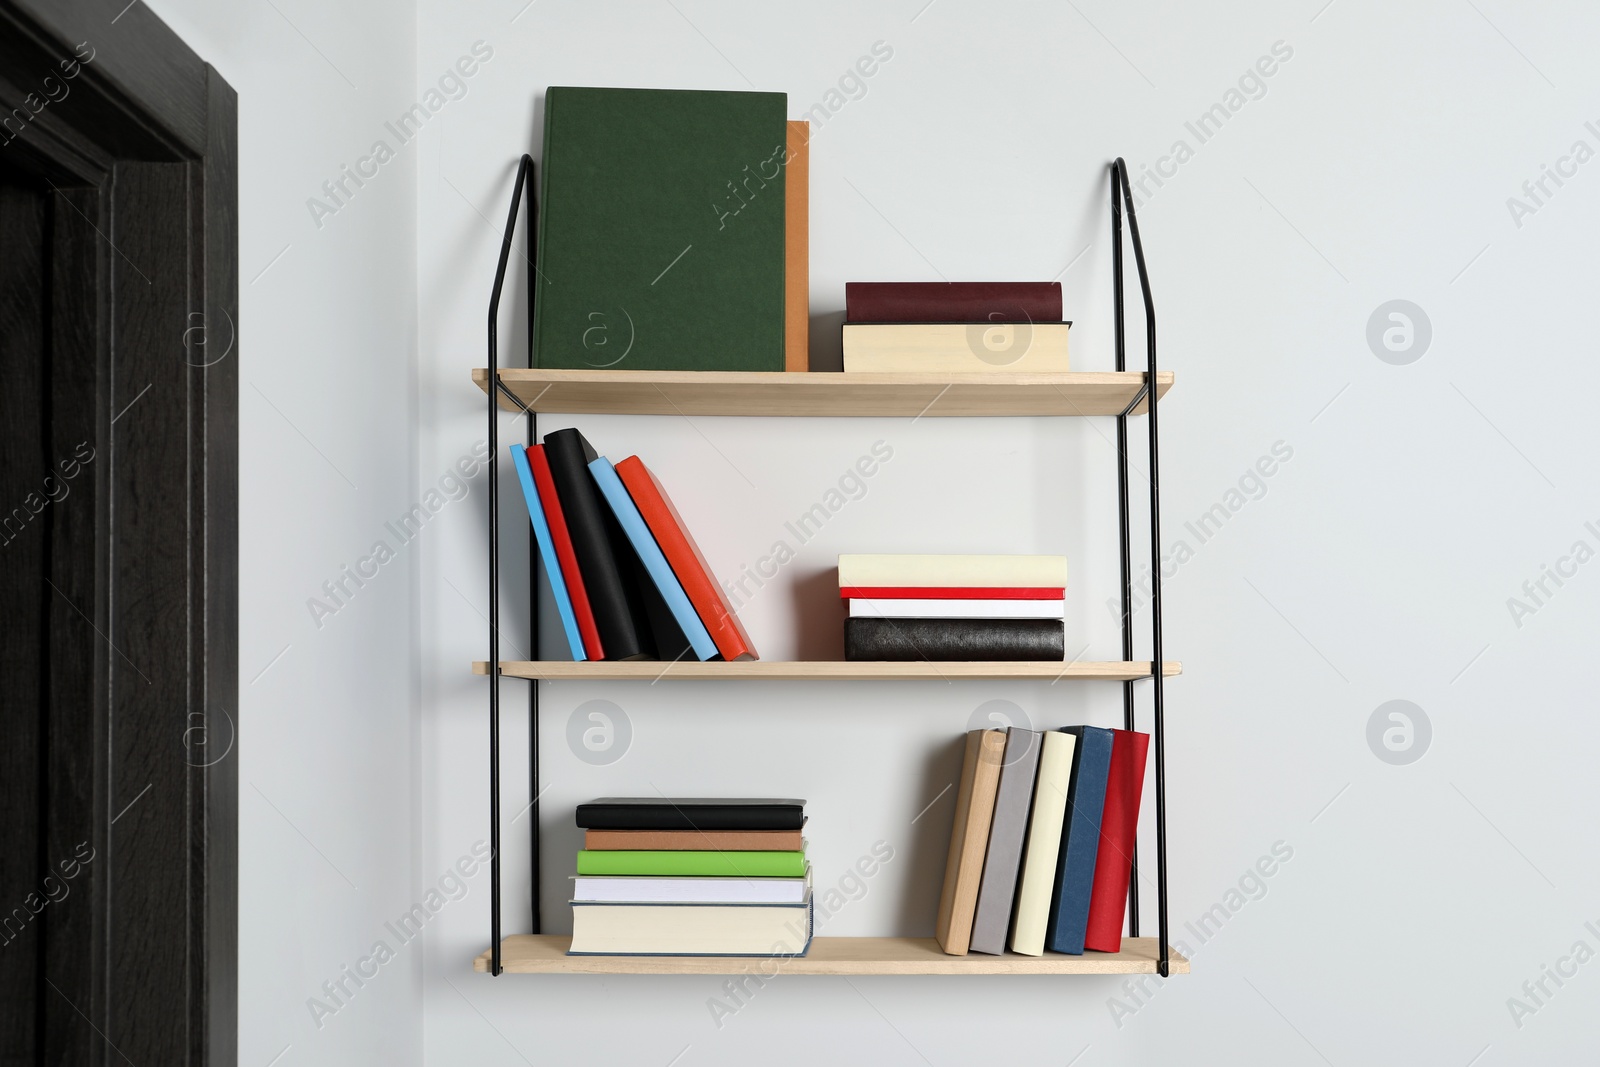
(827, 342)
(929, 842)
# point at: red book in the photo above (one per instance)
(952, 302)
(1119, 823)
(684, 557)
(569, 560)
(949, 592)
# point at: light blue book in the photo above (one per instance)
(547, 552)
(644, 543)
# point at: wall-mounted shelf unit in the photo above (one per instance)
(1121, 394)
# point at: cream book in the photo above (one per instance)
(955, 347)
(1044, 841)
(969, 839)
(879, 571)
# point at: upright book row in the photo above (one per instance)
(1043, 841)
(628, 580)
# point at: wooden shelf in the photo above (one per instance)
(621, 392)
(546, 954)
(840, 670)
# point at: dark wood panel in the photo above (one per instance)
(24, 561)
(150, 624)
(75, 709)
(218, 767)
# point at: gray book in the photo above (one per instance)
(1007, 832)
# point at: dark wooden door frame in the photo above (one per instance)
(135, 136)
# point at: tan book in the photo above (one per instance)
(862, 570)
(1044, 843)
(955, 347)
(797, 250)
(969, 838)
(692, 840)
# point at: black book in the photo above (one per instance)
(954, 639)
(691, 813)
(604, 555)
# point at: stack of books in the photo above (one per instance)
(954, 327)
(1042, 843)
(691, 877)
(628, 580)
(910, 607)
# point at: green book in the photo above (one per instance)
(694, 864)
(661, 230)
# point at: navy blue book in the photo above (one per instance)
(1080, 840)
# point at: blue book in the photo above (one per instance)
(644, 543)
(1080, 840)
(547, 551)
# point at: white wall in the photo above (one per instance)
(327, 732)
(1376, 563)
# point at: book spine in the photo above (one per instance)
(954, 639)
(614, 613)
(698, 817)
(951, 592)
(694, 864)
(1119, 821)
(655, 564)
(692, 840)
(952, 301)
(797, 250)
(1086, 795)
(557, 521)
(547, 551)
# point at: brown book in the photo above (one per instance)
(692, 840)
(969, 838)
(797, 250)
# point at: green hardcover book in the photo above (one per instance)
(661, 230)
(695, 864)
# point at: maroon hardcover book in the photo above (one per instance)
(952, 301)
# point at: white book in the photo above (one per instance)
(861, 608)
(658, 890)
(605, 929)
(1044, 842)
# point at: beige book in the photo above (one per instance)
(969, 837)
(955, 347)
(859, 570)
(1044, 842)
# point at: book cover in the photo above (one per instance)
(950, 592)
(957, 571)
(655, 563)
(954, 608)
(547, 551)
(539, 463)
(797, 250)
(901, 640)
(955, 348)
(694, 840)
(687, 562)
(691, 813)
(771, 930)
(952, 301)
(969, 837)
(646, 890)
(613, 593)
(661, 231)
(694, 864)
(1044, 842)
(1080, 840)
(1007, 832)
(1119, 825)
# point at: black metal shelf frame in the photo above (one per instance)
(1121, 203)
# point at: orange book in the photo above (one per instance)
(797, 250)
(684, 557)
(693, 840)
